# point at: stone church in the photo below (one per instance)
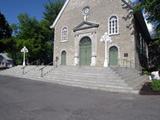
(100, 33)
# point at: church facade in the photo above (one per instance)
(99, 33)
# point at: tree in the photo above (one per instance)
(5, 33)
(52, 9)
(5, 30)
(35, 35)
(152, 8)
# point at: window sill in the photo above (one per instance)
(114, 34)
(64, 41)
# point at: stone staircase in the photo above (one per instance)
(108, 79)
(132, 77)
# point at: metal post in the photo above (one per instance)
(42, 72)
(23, 70)
(24, 63)
(24, 50)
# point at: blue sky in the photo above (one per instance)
(12, 8)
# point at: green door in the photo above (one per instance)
(85, 51)
(113, 56)
(63, 58)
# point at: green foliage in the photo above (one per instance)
(152, 7)
(52, 9)
(146, 72)
(5, 30)
(35, 35)
(155, 85)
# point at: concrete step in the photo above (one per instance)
(115, 80)
(107, 82)
(110, 88)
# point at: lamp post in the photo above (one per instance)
(24, 50)
(106, 39)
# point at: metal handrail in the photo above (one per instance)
(24, 67)
(128, 64)
(42, 69)
(36, 61)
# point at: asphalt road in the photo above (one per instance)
(22, 99)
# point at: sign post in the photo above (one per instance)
(24, 50)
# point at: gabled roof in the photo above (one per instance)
(59, 15)
(65, 5)
(85, 25)
(4, 55)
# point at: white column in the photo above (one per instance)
(76, 56)
(106, 54)
(93, 61)
(106, 39)
(76, 60)
(94, 48)
(24, 61)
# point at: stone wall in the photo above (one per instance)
(100, 12)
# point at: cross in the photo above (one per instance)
(24, 50)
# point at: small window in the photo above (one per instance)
(64, 34)
(113, 25)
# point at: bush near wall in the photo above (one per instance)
(155, 85)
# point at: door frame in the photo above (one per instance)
(118, 54)
(65, 57)
(90, 50)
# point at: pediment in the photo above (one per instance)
(85, 25)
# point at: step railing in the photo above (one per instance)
(126, 63)
(45, 73)
(24, 67)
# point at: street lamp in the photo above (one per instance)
(106, 38)
(24, 50)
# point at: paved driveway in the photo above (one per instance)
(22, 99)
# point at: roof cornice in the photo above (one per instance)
(65, 5)
(59, 15)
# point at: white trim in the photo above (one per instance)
(109, 25)
(59, 15)
(93, 37)
(64, 41)
(62, 51)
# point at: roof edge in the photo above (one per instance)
(59, 15)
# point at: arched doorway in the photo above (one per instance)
(113, 56)
(63, 58)
(85, 51)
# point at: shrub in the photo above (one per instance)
(146, 72)
(156, 85)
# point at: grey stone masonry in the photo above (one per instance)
(86, 77)
(97, 23)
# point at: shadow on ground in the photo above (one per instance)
(147, 90)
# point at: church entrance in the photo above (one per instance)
(63, 58)
(113, 56)
(85, 51)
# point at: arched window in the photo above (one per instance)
(113, 25)
(64, 34)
